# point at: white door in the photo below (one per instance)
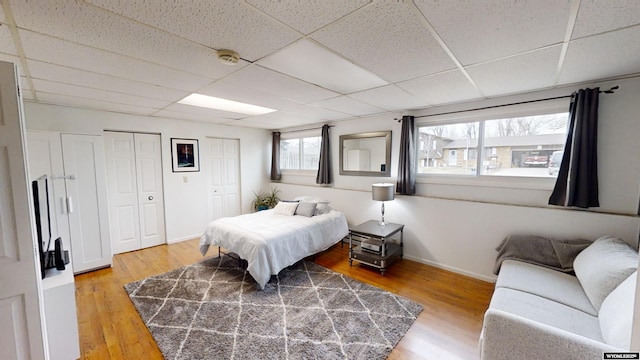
(231, 156)
(123, 192)
(150, 199)
(453, 157)
(83, 157)
(222, 170)
(21, 310)
(136, 205)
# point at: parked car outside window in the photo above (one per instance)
(554, 163)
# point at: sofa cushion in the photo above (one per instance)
(603, 266)
(616, 314)
(547, 312)
(551, 284)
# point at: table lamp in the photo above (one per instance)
(382, 192)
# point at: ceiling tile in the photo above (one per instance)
(448, 87)
(478, 31)
(308, 16)
(12, 59)
(602, 56)
(238, 92)
(190, 116)
(127, 37)
(271, 82)
(347, 105)
(530, 71)
(310, 62)
(215, 24)
(206, 112)
(44, 71)
(596, 17)
(52, 50)
(388, 38)
(7, 46)
(390, 97)
(309, 111)
(264, 122)
(58, 99)
(96, 94)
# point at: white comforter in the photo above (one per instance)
(270, 242)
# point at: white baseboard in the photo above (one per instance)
(185, 238)
(491, 279)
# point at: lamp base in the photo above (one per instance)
(382, 223)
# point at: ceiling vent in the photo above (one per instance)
(228, 57)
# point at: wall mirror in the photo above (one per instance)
(366, 154)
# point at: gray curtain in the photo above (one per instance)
(406, 166)
(577, 183)
(275, 156)
(324, 165)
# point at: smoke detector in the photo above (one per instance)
(228, 57)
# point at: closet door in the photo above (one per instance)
(150, 197)
(136, 204)
(222, 170)
(83, 157)
(123, 192)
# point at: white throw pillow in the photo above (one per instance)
(285, 208)
(616, 314)
(604, 265)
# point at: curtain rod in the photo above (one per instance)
(612, 90)
(292, 131)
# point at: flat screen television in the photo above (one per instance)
(40, 188)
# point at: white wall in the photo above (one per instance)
(457, 226)
(184, 193)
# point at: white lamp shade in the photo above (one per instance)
(382, 192)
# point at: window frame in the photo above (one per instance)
(300, 136)
(480, 116)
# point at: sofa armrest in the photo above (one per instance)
(508, 336)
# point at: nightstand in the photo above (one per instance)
(375, 247)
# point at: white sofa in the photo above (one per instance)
(540, 313)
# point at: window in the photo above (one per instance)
(301, 153)
(518, 146)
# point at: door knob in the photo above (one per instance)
(150, 197)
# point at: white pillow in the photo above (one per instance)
(323, 208)
(616, 314)
(602, 266)
(285, 208)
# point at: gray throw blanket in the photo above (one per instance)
(557, 254)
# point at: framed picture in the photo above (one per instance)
(185, 156)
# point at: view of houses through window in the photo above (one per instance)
(528, 146)
(300, 153)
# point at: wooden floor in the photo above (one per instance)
(448, 328)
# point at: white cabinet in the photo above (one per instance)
(60, 312)
(83, 159)
(136, 204)
(76, 165)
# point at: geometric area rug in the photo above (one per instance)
(214, 310)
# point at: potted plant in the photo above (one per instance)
(266, 200)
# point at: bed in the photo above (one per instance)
(271, 240)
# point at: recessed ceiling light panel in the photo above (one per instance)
(224, 104)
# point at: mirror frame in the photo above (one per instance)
(377, 134)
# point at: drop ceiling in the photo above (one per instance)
(312, 61)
